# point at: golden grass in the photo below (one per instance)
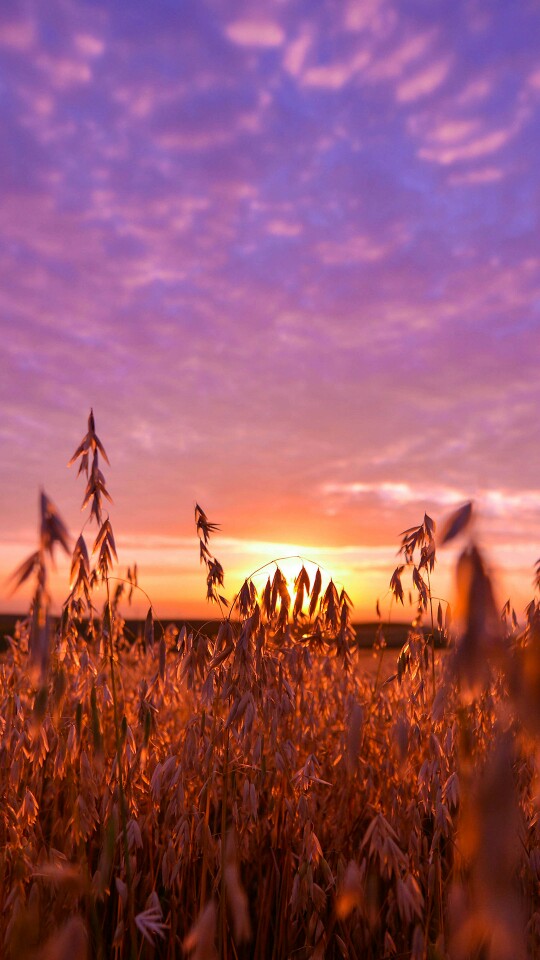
(261, 794)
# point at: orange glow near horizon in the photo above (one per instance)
(170, 575)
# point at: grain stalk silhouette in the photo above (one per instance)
(88, 452)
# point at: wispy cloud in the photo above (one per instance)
(424, 82)
(402, 55)
(334, 76)
(255, 33)
(491, 501)
(478, 147)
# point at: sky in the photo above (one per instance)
(289, 254)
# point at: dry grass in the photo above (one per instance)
(259, 794)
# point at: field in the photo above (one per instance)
(268, 789)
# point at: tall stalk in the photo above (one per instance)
(88, 452)
(222, 925)
(121, 791)
(432, 634)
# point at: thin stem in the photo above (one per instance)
(121, 793)
(144, 593)
(207, 822)
(222, 932)
(432, 633)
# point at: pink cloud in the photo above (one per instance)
(356, 249)
(335, 75)
(18, 35)
(475, 91)
(377, 16)
(194, 140)
(63, 72)
(452, 131)
(280, 228)
(296, 53)
(534, 79)
(255, 33)
(473, 177)
(479, 147)
(392, 63)
(424, 82)
(89, 45)
(39, 105)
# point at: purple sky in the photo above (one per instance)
(293, 264)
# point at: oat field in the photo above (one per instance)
(260, 793)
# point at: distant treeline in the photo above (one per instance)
(394, 634)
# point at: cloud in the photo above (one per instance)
(393, 60)
(296, 52)
(89, 45)
(255, 33)
(334, 76)
(449, 132)
(399, 493)
(424, 82)
(483, 175)
(475, 91)
(63, 72)
(495, 502)
(376, 16)
(534, 79)
(355, 249)
(280, 228)
(194, 140)
(477, 147)
(17, 35)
